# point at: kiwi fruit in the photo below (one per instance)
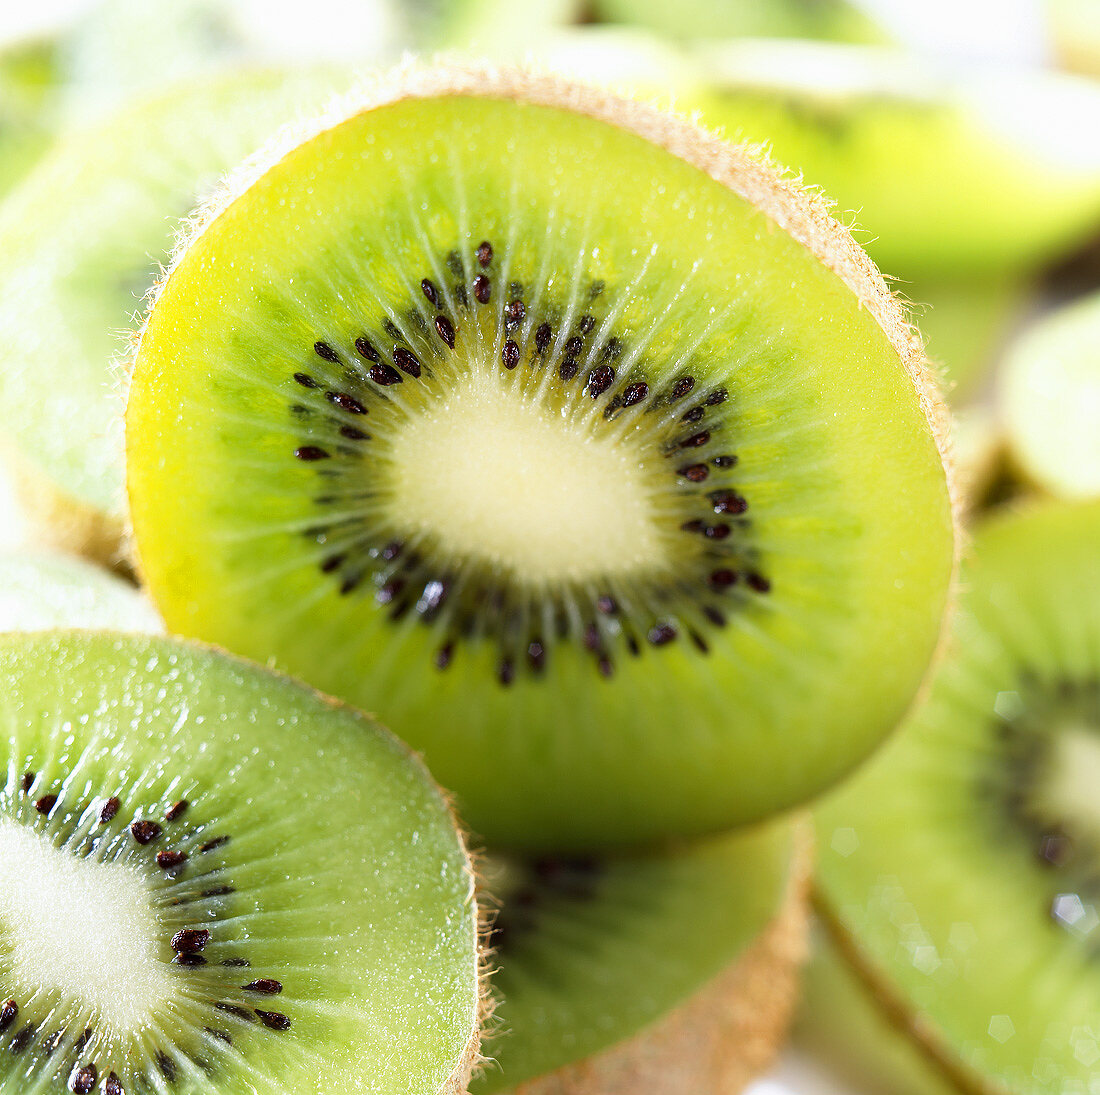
(602, 987)
(28, 81)
(45, 590)
(239, 886)
(851, 1039)
(625, 505)
(958, 871)
(830, 19)
(1048, 400)
(81, 241)
(945, 176)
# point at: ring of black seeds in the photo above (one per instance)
(342, 380)
(191, 899)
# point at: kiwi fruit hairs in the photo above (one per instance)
(81, 241)
(47, 590)
(282, 901)
(1048, 401)
(947, 175)
(672, 972)
(958, 871)
(624, 505)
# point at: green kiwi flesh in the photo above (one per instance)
(1048, 401)
(81, 242)
(959, 870)
(40, 590)
(962, 176)
(661, 543)
(591, 952)
(215, 882)
(706, 19)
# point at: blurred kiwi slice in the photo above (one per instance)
(28, 92)
(961, 176)
(1048, 401)
(622, 502)
(81, 241)
(238, 886)
(601, 986)
(43, 590)
(958, 871)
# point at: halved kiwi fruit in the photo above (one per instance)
(214, 881)
(623, 502)
(1048, 400)
(959, 871)
(672, 972)
(42, 590)
(81, 242)
(946, 176)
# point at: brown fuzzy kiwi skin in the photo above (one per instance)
(900, 1014)
(60, 521)
(744, 169)
(729, 1032)
(470, 1058)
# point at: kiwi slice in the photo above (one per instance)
(214, 881)
(600, 988)
(1048, 398)
(703, 19)
(47, 590)
(81, 241)
(963, 176)
(623, 504)
(959, 870)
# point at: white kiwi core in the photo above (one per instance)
(1072, 779)
(79, 929)
(509, 480)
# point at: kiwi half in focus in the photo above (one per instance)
(1048, 401)
(238, 886)
(959, 870)
(673, 972)
(81, 241)
(622, 502)
(965, 177)
(43, 590)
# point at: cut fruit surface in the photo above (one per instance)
(81, 242)
(621, 504)
(603, 963)
(959, 871)
(213, 880)
(1048, 399)
(40, 591)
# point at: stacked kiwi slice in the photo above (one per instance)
(958, 872)
(625, 505)
(214, 881)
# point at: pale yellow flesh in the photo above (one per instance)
(81, 930)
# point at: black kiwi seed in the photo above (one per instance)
(45, 804)
(266, 985)
(758, 582)
(145, 832)
(635, 393)
(306, 380)
(234, 1009)
(728, 501)
(722, 578)
(719, 395)
(353, 433)
(83, 1079)
(574, 345)
(483, 289)
(429, 290)
(167, 860)
(364, 348)
(190, 940)
(682, 387)
(27, 782)
(445, 329)
(485, 253)
(567, 369)
(22, 1039)
(695, 473)
(385, 374)
(8, 1011)
(346, 402)
(514, 311)
(599, 380)
(221, 1035)
(176, 810)
(694, 415)
(510, 355)
(406, 361)
(212, 843)
(188, 959)
(274, 1020)
(696, 441)
(661, 634)
(167, 1067)
(113, 1086)
(724, 461)
(543, 335)
(310, 453)
(325, 351)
